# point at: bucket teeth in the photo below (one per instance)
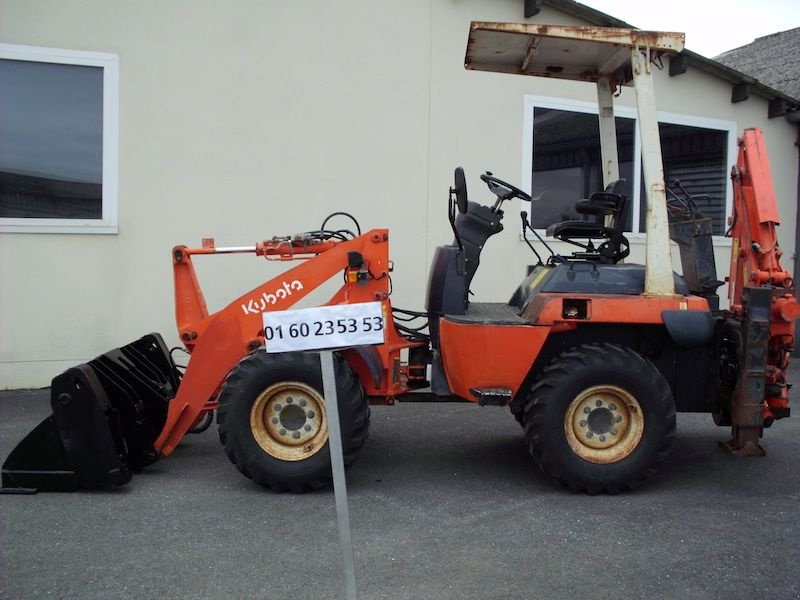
(107, 414)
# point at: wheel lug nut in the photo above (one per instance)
(613, 432)
(589, 434)
(598, 403)
(277, 408)
(303, 402)
(289, 400)
(282, 432)
(587, 410)
(310, 414)
(296, 435)
(583, 423)
(307, 427)
(275, 420)
(618, 419)
(612, 407)
(602, 438)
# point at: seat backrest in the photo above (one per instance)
(616, 187)
(610, 202)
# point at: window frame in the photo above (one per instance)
(532, 102)
(110, 179)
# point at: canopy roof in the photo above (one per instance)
(581, 53)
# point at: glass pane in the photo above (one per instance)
(51, 140)
(697, 157)
(567, 165)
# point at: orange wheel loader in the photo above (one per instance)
(592, 355)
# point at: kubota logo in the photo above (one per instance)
(260, 304)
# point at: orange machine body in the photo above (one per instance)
(507, 352)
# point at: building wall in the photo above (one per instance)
(249, 119)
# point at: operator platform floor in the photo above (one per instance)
(444, 502)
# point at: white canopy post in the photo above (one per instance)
(608, 131)
(658, 274)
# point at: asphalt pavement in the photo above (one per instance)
(444, 503)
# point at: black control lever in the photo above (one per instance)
(524, 216)
(527, 225)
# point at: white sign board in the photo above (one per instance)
(322, 327)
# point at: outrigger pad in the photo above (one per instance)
(106, 416)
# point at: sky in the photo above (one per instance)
(711, 26)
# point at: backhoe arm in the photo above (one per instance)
(755, 256)
(762, 299)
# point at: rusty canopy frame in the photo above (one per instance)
(610, 57)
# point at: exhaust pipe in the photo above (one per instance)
(107, 414)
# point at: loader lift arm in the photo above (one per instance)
(218, 341)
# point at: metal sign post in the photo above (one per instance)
(337, 465)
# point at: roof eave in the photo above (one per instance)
(730, 74)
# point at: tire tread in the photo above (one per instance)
(545, 389)
(349, 390)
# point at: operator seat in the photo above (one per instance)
(608, 203)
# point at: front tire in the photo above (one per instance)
(273, 419)
(600, 418)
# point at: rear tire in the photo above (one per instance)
(600, 418)
(273, 419)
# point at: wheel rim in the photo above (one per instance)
(289, 421)
(604, 424)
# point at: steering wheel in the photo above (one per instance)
(503, 190)
(460, 190)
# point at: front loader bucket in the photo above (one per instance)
(106, 415)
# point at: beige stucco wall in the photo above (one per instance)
(242, 120)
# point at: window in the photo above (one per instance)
(562, 160)
(58, 140)
(567, 164)
(698, 158)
